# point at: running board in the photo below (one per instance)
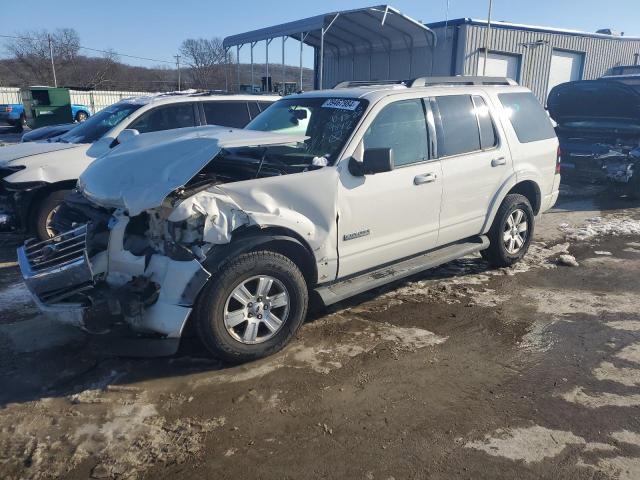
(347, 288)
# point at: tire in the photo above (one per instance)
(244, 342)
(81, 116)
(44, 213)
(22, 122)
(505, 249)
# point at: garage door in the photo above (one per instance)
(565, 67)
(500, 65)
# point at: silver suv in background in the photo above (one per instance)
(36, 177)
(330, 192)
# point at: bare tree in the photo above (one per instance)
(205, 59)
(31, 51)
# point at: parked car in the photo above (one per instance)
(235, 228)
(598, 124)
(13, 114)
(46, 133)
(37, 176)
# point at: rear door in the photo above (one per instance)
(388, 216)
(475, 162)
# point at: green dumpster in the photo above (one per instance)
(47, 106)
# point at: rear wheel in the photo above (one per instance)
(511, 232)
(81, 116)
(45, 213)
(252, 308)
(22, 122)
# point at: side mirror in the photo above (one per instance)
(126, 135)
(377, 160)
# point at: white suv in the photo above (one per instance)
(35, 177)
(234, 229)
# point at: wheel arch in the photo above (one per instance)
(37, 198)
(530, 188)
(278, 239)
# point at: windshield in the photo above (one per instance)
(328, 122)
(99, 124)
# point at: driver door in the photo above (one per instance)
(391, 215)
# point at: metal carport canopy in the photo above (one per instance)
(371, 30)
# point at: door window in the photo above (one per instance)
(227, 114)
(488, 137)
(460, 132)
(179, 115)
(401, 126)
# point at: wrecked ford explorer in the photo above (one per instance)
(324, 194)
(599, 131)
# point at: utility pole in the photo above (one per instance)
(487, 40)
(178, 65)
(53, 67)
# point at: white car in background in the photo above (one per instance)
(37, 176)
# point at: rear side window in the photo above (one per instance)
(401, 126)
(179, 115)
(227, 114)
(254, 109)
(488, 137)
(530, 122)
(459, 125)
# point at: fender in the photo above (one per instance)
(221, 254)
(514, 179)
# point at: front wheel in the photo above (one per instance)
(511, 232)
(252, 308)
(45, 213)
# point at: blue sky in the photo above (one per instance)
(155, 28)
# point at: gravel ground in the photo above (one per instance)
(530, 372)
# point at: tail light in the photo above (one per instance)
(558, 160)
(8, 108)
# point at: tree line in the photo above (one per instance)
(204, 65)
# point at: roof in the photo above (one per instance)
(522, 26)
(190, 96)
(380, 27)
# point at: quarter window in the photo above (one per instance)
(527, 116)
(227, 114)
(487, 128)
(401, 126)
(459, 133)
(179, 115)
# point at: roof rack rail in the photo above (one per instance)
(367, 83)
(430, 81)
(460, 80)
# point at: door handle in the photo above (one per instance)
(425, 178)
(496, 162)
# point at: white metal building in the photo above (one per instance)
(381, 43)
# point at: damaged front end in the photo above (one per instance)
(101, 278)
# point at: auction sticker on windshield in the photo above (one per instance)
(341, 103)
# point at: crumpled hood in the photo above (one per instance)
(139, 174)
(22, 150)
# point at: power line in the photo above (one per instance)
(108, 52)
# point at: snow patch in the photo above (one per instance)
(532, 444)
(597, 226)
(602, 399)
(623, 375)
(629, 325)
